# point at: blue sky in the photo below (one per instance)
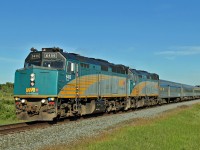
(156, 36)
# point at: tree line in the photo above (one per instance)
(7, 88)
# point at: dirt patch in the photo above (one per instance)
(183, 106)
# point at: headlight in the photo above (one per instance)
(32, 83)
(43, 101)
(23, 101)
(32, 77)
(17, 98)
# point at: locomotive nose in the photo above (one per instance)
(36, 81)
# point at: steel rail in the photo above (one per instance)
(20, 127)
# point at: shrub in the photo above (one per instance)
(7, 110)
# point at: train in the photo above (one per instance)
(54, 84)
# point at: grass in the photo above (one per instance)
(7, 110)
(175, 130)
(7, 104)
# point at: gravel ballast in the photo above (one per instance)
(74, 131)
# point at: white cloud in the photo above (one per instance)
(174, 52)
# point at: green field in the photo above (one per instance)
(174, 130)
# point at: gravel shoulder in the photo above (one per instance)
(74, 131)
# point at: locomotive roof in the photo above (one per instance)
(106, 63)
(95, 61)
(142, 72)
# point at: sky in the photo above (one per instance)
(157, 36)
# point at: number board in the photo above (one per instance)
(35, 56)
(50, 55)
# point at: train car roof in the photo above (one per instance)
(175, 83)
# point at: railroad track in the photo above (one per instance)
(4, 129)
(25, 126)
(20, 127)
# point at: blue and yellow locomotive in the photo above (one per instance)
(56, 84)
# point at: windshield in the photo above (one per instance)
(32, 63)
(53, 64)
(50, 59)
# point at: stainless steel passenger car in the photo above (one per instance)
(172, 91)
